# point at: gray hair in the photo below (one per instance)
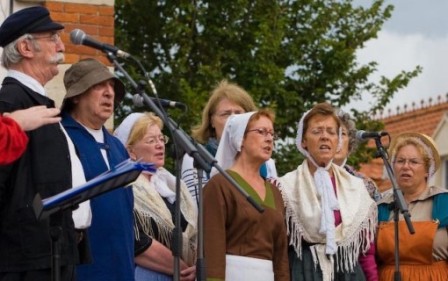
(11, 55)
(348, 122)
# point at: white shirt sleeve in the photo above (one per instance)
(82, 216)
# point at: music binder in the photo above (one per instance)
(121, 175)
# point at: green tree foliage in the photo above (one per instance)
(288, 54)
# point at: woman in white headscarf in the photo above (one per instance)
(154, 199)
(241, 243)
(330, 215)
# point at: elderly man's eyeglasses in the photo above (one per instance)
(54, 36)
(264, 132)
(413, 162)
(155, 139)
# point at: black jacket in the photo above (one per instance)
(44, 168)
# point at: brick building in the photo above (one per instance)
(94, 17)
(429, 117)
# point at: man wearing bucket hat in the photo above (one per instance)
(32, 50)
(92, 92)
(423, 255)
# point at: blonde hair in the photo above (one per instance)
(140, 126)
(420, 146)
(224, 90)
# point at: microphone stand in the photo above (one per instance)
(182, 143)
(201, 266)
(399, 205)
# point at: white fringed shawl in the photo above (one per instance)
(303, 215)
(148, 204)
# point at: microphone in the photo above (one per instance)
(363, 135)
(79, 37)
(138, 101)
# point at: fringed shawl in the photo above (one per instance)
(149, 205)
(303, 214)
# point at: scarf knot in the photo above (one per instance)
(329, 203)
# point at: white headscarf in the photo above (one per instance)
(324, 187)
(231, 140)
(124, 129)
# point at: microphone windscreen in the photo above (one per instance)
(137, 100)
(77, 36)
(359, 134)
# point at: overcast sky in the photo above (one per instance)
(416, 34)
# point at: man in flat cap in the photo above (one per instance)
(32, 50)
(92, 92)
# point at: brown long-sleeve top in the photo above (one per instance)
(233, 226)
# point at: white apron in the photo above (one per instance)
(248, 269)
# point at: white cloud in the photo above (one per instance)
(395, 52)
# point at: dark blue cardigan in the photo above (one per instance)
(111, 234)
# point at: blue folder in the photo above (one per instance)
(119, 176)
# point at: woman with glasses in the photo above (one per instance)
(241, 243)
(154, 200)
(424, 254)
(330, 216)
(226, 99)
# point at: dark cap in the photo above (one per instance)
(29, 20)
(85, 74)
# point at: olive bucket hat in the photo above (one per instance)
(85, 74)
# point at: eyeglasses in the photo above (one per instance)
(320, 131)
(154, 139)
(227, 113)
(54, 37)
(413, 162)
(264, 132)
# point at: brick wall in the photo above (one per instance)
(96, 20)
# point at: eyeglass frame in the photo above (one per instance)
(227, 113)
(319, 131)
(412, 162)
(264, 132)
(156, 139)
(54, 37)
